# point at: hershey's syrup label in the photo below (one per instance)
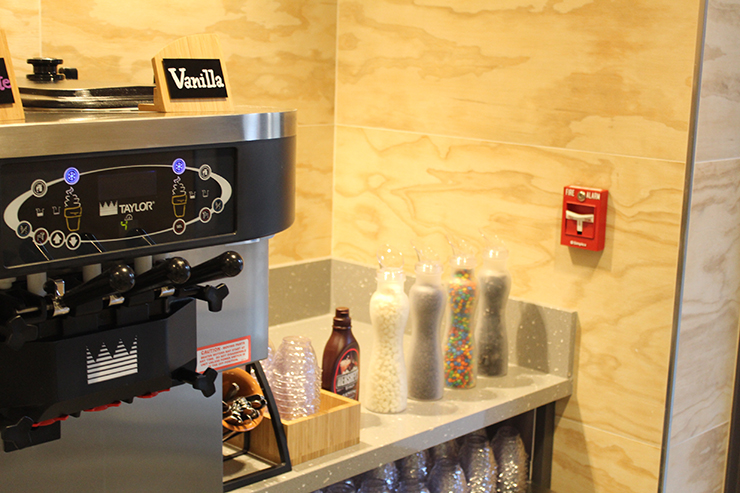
(194, 78)
(347, 374)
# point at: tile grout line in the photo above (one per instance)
(297, 263)
(636, 440)
(518, 144)
(720, 160)
(334, 130)
(694, 437)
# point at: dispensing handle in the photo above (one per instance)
(173, 271)
(228, 264)
(205, 382)
(16, 332)
(117, 279)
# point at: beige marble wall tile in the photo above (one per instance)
(396, 186)
(310, 235)
(588, 460)
(610, 76)
(278, 52)
(719, 108)
(21, 23)
(705, 367)
(698, 465)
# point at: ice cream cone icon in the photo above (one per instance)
(72, 215)
(72, 210)
(179, 197)
(178, 204)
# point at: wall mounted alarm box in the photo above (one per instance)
(584, 217)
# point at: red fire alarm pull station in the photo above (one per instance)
(584, 218)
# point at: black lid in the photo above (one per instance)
(342, 319)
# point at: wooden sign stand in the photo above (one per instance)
(197, 47)
(12, 110)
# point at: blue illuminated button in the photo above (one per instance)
(218, 205)
(71, 176)
(178, 166)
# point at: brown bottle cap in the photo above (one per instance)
(342, 319)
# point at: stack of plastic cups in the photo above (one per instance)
(476, 458)
(447, 477)
(508, 448)
(296, 378)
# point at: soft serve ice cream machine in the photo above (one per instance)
(133, 267)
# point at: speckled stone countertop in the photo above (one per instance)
(388, 437)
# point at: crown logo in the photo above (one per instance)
(110, 365)
(108, 209)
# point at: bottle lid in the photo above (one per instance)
(429, 263)
(495, 249)
(428, 268)
(342, 319)
(463, 254)
(390, 260)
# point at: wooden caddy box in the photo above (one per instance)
(334, 427)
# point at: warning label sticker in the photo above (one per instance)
(225, 354)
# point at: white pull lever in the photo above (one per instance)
(579, 219)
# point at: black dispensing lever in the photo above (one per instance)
(205, 382)
(173, 271)
(228, 264)
(116, 280)
(16, 332)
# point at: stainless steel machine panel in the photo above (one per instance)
(244, 313)
(170, 443)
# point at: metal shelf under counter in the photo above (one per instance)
(424, 424)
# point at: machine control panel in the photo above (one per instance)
(55, 209)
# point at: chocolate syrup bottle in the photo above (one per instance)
(341, 361)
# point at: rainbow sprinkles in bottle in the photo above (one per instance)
(462, 289)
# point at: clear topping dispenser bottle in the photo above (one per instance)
(494, 284)
(459, 349)
(427, 299)
(386, 389)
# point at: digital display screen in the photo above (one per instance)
(127, 185)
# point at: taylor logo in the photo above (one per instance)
(6, 90)
(108, 364)
(112, 208)
(140, 207)
(194, 78)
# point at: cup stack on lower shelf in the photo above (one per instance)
(470, 464)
